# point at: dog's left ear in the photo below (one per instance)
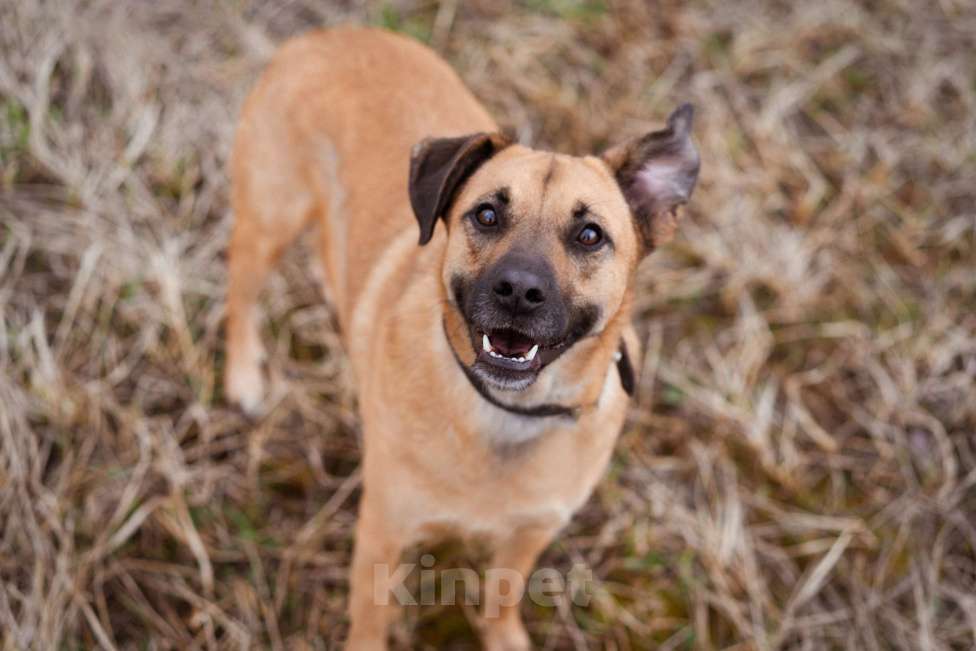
(657, 173)
(438, 169)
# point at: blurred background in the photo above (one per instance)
(799, 468)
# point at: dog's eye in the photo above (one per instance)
(590, 236)
(486, 216)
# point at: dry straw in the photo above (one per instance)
(798, 473)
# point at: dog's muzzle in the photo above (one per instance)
(518, 320)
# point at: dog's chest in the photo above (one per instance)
(492, 492)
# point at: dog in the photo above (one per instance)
(493, 359)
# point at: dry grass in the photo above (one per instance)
(800, 469)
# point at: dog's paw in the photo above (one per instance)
(357, 642)
(505, 636)
(244, 386)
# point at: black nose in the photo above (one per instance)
(520, 290)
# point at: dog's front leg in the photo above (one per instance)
(373, 600)
(507, 578)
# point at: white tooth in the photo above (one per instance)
(532, 353)
(519, 359)
(485, 343)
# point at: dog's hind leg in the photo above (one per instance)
(271, 208)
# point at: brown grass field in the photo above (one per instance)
(798, 472)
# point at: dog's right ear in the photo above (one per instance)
(438, 169)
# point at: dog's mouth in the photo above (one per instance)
(510, 348)
(510, 359)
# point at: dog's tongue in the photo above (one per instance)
(511, 343)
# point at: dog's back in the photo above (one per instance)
(319, 116)
(300, 140)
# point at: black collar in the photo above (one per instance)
(543, 410)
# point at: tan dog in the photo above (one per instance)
(492, 360)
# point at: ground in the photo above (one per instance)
(799, 467)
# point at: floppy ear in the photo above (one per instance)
(657, 173)
(439, 167)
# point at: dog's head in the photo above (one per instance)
(542, 247)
